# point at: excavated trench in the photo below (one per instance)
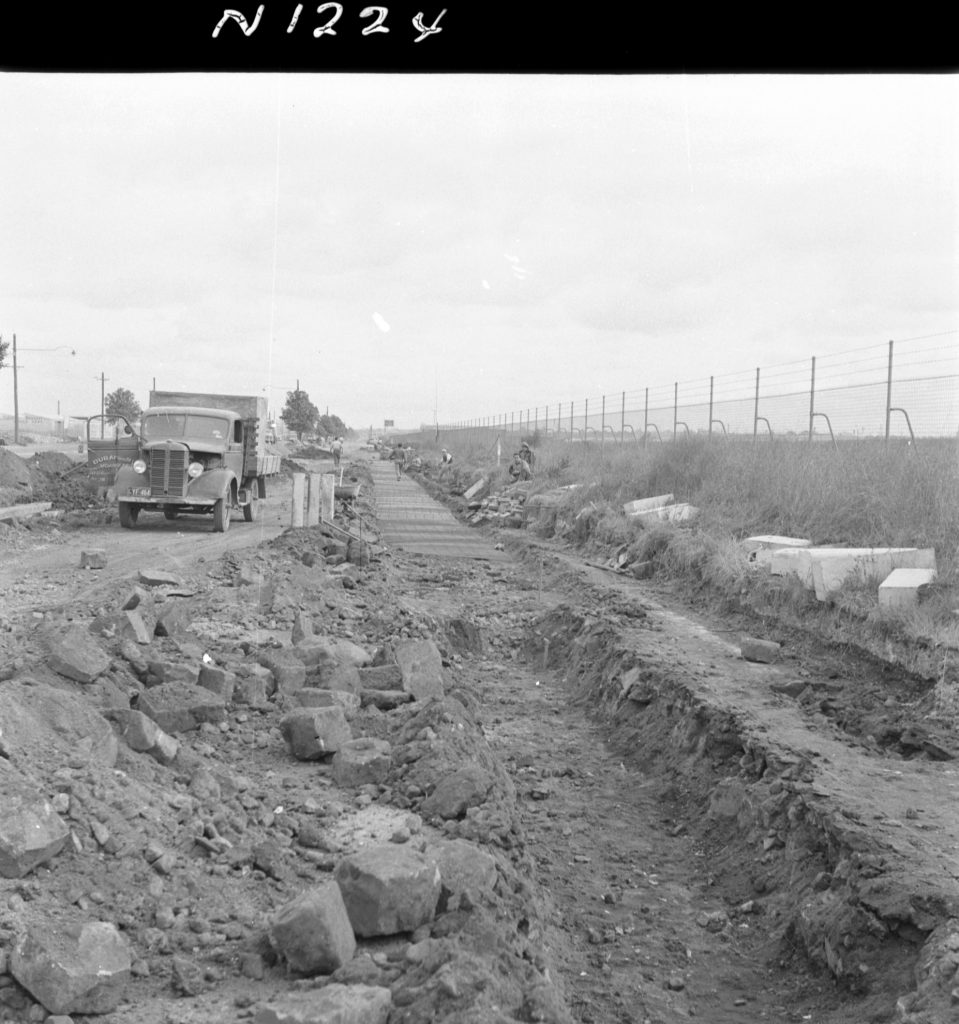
(861, 911)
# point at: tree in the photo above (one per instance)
(121, 402)
(332, 426)
(300, 414)
(4, 346)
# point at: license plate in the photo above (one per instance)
(140, 492)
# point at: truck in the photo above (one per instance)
(197, 454)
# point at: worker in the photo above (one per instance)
(398, 458)
(526, 454)
(337, 449)
(519, 469)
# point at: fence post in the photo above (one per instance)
(888, 393)
(602, 426)
(812, 396)
(646, 419)
(675, 407)
(622, 421)
(571, 404)
(559, 417)
(586, 424)
(709, 433)
(547, 421)
(756, 408)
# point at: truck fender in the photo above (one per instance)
(128, 477)
(210, 485)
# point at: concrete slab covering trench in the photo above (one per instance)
(410, 519)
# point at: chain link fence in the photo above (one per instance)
(906, 389)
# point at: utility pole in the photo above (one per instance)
(103, 401)
(16, 400)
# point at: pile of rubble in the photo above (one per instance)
(262, 789)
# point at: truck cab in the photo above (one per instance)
(193, 460)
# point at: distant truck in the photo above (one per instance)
(197, 454)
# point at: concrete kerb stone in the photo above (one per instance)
(753, 649)
(631, 508)
(902, 587)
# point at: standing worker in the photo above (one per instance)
(337, 449)
(526, 454)
(398, 457)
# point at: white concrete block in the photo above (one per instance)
(759, 550)
(831, 567)
(900, 589)
(644, 504)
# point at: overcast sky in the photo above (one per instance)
(464, 245)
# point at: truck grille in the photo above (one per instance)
(168, 472)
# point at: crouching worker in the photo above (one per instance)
(519, 469)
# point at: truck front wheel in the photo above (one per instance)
(128, 514)
(221, 516)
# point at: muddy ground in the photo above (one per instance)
(678, 834)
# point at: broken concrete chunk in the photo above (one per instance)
(76, 655)
(31, 832)
(218, 680)
(174, 617)
(314, 697)
(74, 969)
(421, 663)
(159, 672)
(312, 932)
(455, 793)
(95, 558)
(125, 625)
(332, 1004)
(158, 578)
(142, 734)
(287, 668)
(314, 733)
(465, 870)
(179, 707)
(381, 677)
(388, 889)
(360, 762)
(759, 650)
(253, 688)
(385, 700)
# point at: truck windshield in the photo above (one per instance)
(185, 425)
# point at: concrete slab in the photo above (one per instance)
(826, 569)
(759, 550)
(645, 504)
(900, 589)
(829, 572)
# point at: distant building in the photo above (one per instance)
(36, 426)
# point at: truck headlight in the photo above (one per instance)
(139, 466)
(194, 470)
